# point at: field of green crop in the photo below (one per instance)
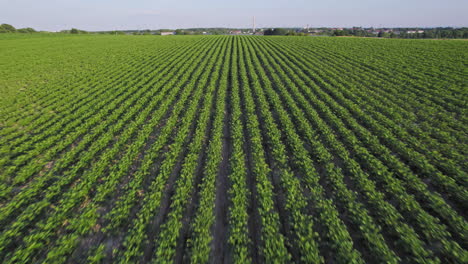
(233, 149)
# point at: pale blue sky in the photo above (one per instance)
(154, 14)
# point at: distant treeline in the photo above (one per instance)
(447, 32)
(6, 28)
(429, 33)
(283, 32)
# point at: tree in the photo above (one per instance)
(338, 33)
(179, 32)
(276, 32)
(268, 32)
(77, 31)
(382, 34)
(280, 31)
(7, 28)
(26, 30)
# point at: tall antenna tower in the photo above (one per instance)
(253, 24)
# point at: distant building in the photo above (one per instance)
(167, 33)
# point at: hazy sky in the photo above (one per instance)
(155, 14)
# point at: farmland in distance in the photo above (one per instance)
(232, 149)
